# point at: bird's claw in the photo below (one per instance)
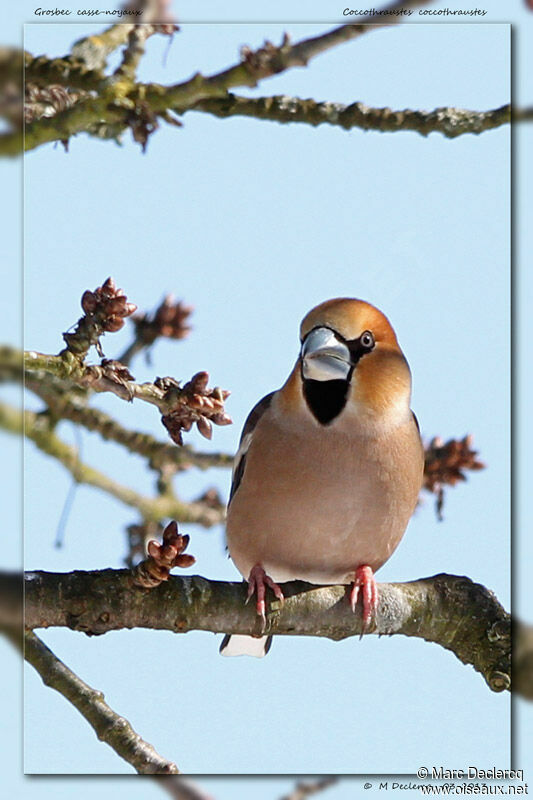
(258, 580)
(365, 583)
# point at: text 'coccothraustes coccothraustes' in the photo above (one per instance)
(329, 467)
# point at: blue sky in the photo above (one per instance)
(254, 223)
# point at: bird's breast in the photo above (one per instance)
(317, 502)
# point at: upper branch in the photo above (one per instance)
(452, 611)
(451, 122)
(124, 103)
(390, 15)
(269, 60)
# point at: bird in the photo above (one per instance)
(329, 466)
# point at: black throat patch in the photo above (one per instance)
(325, 399)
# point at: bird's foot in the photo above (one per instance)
(258, 580)
(366, 584)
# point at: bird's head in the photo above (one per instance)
(350, 359)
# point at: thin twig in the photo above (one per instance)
(270, 60)
(180, 406)
(133, 53)
(451, 122)
(181, 788)
(92, 51)
(305, 789)
(170, 320)
(159, 454)
(65, 513)
(109, 726)
(37, 428)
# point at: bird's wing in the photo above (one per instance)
(246, 645)
(246, 438)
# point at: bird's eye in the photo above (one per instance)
(367, 340)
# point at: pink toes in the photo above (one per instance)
(258, 580)
(365, 584)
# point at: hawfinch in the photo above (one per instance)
(329, 467)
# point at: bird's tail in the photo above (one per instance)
(238, 645)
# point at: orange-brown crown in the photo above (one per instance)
(350, 318)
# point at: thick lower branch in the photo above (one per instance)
(452, 611)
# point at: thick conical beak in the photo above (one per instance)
(324, 357)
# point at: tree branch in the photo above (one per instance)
(63, 71)
(133, 53)
(37, 428)
(180, 406)
(67, 367)
(182, 789)
(92, 51)
(107, 105)
(122, 103)
(110, 728)
(452, 611)
(305, 789)
(159, 454)
(522, 114)
(300, 54)
(451, 122)
(523, 660)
